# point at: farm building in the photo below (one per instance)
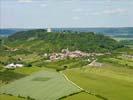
(12, 65)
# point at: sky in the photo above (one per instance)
(65, 13)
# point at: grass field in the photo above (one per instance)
(47, 85)
(113, 83)
(120, 61)
(7, 76)
(29, 70)
(7, 97)
(12, 75)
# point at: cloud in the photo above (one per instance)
(96, 13)
(115, 11)
(111, 12)
(76, 18)
(67, 1)
(77, 10)
(25, 1)
(43, 5)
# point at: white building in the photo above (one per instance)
(12, 65)
(49, 30)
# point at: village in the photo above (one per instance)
(64, 54)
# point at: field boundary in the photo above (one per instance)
(83, 90)
(70, 95)
(71, 81)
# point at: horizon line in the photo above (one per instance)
(66, 27)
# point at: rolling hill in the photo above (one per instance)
(40, 40)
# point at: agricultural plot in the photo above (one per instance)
(28, 58)
(44, 85)
(7, 76)
(120, 62)
(112, 83)
(7, 97)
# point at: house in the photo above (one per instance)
(12, 66)
(19, 65)
(9, 66)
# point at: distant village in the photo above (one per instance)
(65, 53)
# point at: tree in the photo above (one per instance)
(65, 67)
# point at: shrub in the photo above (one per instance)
(29, 65)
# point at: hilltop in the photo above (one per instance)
(111, 31)
(40, 40)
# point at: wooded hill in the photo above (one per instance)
(40, 40)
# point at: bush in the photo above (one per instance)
(29, 98)
(29, 65)
(65, 67)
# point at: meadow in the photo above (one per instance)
(112, 83)
(118, 60)
(8, 97)
(7, 76)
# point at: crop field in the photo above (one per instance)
(7, 76)
(112, 83)
(29, 70)
(120, 61)
(70, 63)
(43, 85)
(7, 97)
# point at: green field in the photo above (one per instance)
(119, 61)
(49, 85)
(7, 76)
(7, 97)
(112, 83)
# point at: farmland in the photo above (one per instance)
(41, 82)
(101, 81)
(7, 97)
(119, 60)
(68, 78)
(7, 76)
(113, 83)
